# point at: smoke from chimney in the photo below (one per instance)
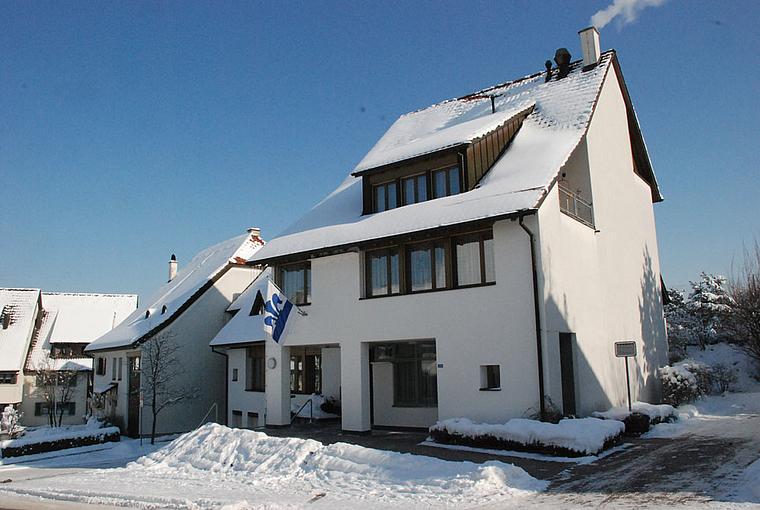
(628, 9)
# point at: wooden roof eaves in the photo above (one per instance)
(643, 164)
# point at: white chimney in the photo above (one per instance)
(590, 47)
(254, 231)
(172, 267)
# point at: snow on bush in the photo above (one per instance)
(685, 382)
(569, 437)
(657, 413)
(9, 423)
(48, 439)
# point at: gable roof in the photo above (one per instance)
(174, 297)
(517, 181)
(18, 314)
(68, 318)
(245, 328)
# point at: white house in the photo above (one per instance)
(189, 310)
(47, 332)
(482, 260)
(19, 309)
(67, 324)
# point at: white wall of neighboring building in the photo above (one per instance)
(202, 368)
(32, 395)
(603, 283)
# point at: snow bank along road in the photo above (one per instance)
(709, 460)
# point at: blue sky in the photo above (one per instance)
(134, 130)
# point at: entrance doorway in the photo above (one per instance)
(133, 396)
(567, 371)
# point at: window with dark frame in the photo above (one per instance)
(490, 378)
(445, 263)
(383, 274)
(415, 377)
(255, 375)
(295, 282)
(305, 371)
(414, 189)
(101, 368)
(8, 377)
(445, 182)
(384, 196)
(43, 408)
(474, 260)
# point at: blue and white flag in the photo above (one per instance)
(277, 316)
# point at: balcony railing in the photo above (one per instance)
(575, 206)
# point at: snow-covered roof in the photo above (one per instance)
(518, 180)
(171, 299)
(245, 328)
(18, 312)
(76, 319)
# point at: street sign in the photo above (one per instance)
(625, 349)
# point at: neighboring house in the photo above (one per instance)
(481, 261)
(189, 310)
(19, 312)
(67, 324)
(46, 332)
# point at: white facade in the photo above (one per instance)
(597, 281)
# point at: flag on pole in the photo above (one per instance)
(277, 314)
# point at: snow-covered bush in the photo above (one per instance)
(685, 382)
(723, 377)
(9, 422)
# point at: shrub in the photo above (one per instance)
(685, 382)
(723, 377)
(636, 424)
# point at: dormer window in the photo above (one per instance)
(445, 182)
(384, 196)
(414, 189)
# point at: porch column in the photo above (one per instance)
(277, 385)
(354, 383)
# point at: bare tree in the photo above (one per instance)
(161, 368)
(744, 317)
(57, 387)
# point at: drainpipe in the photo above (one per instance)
(536, 305)
(226, 381)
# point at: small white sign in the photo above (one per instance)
(625, 349)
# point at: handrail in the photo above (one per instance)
(216, 415)
(311, 411)
(575, 206)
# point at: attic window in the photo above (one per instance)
(258, 305)
(5, 318)
(147, 313)
(163, 310)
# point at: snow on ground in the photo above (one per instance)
(217, 467)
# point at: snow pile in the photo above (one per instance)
(751, 482)
(657, 412)
(584, 436)
(285, 468)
